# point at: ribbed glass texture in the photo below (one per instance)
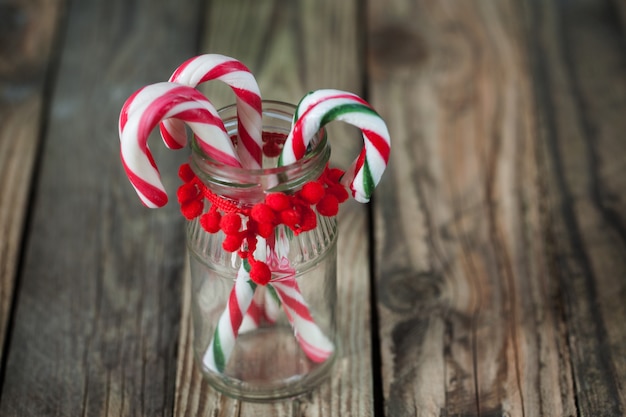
(275, 353)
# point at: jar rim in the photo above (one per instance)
(209, 168)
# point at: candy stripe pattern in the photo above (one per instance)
(144, 110)
(265, 306)
(254, 316)
(209, 67)
(223, 342)
(272, 305)
(312, 340)
(321, 107)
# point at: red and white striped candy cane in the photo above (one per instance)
(223, 342)
(265, 307)
(314, 343)
(240, 300)
(144, 110)
(209, 67)
(237, 317)
(271, 306)
(321, 107)
(254, 316)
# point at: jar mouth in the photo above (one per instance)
(277, 118)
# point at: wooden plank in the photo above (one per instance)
(291, 53)
(29, 29)
(581, 89)
(619, 10)
(97, 317)
(466, 289)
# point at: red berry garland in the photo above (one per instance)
(230, 223)
(278, 201)
(260, 272)
(294, 211)
(328, 206)
(210, 221)
(312, 192)
(263, 213)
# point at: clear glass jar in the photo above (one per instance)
(262, 342)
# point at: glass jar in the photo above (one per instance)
(253, 341)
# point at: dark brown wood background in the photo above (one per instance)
(487, 277)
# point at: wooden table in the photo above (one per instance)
(487, 278)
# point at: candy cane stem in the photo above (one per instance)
(223, 342)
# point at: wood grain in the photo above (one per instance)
(470, 317)
(97, 316)
(618, 8)
(26, 40)
(581, 92)
(290, 54)
(499, 250)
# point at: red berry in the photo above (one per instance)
(262, 213)
(334, 174)
(230, 223)
(186, 193)
(192, 209)
(328, 206)
(232, 242)
(312, 192)
(278, 201)
(211, 221)
(290, 218)
(265, 230)
(338, 191)
(185, 173)
(260, 272)
(308, 219)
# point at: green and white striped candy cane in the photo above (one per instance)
(321, 107)
(221, 346)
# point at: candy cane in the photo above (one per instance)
(271, 306)
(320, 107)
(265, 307)
(209, 67)
(223, 342)
(254, 316)
(314, 343)
(144, 110)
(229, 324)
(238, 318)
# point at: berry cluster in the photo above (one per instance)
(242, 225)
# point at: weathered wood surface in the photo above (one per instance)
(500, 243)
(499, 236)
(97, 315)
(27, 33)
(579, 69)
